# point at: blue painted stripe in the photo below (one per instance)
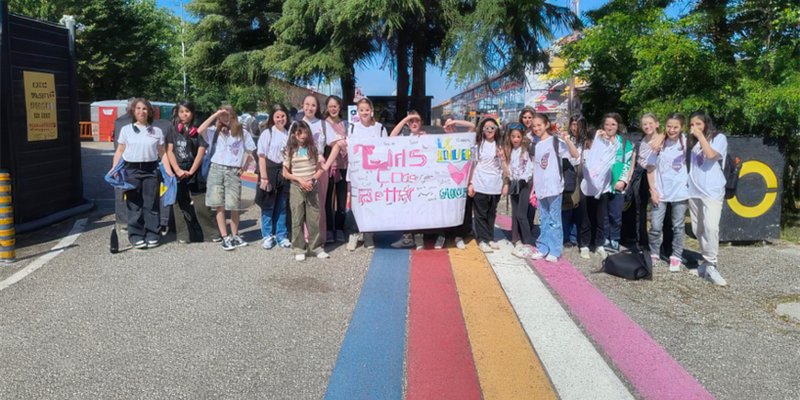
(370, 363)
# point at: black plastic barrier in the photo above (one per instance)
(755, 213)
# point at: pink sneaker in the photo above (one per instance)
(674, 264)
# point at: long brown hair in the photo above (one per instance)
(526, 110)
(293, 144)
(235, 128)
(479, 131)
(508, 147)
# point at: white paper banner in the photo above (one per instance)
(407, 183)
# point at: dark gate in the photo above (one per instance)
(45, 166)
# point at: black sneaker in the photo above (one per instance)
(227, 244)
(238, 241)
(140, 245)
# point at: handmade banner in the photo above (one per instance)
(406, 183)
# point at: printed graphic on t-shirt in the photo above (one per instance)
(677, 163)
(545, 160)
(302, 152)
(700, 158)
(180, 150)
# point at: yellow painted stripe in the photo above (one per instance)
(5, 200)
(4, 210)
(507, 366)
(5, 188)
(6, 221)
(8, 254)
(8, 232)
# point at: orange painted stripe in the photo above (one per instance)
(508, 368)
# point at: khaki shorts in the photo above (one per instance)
(224, 187)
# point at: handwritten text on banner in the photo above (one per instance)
(405, 183)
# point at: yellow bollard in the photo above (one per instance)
(8, 252)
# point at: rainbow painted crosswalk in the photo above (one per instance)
(460, 324)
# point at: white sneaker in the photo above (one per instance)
(340, 236)
(460, 243)
(404, 242)
(519, 251)
(585, 252)
(329, 237)
(537, 256)
(323, 255)
(551, 258)
(439, 242)
(655, 258)
(714, 277)
(300, 257)
(494, 245)
(674, 264)
(484, 247)
(601, 252)
(353, 242)
(419, 241)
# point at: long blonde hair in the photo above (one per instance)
(235, 128)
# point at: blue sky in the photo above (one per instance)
(377, 82)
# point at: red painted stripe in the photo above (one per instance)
(654, 373)
(503, 221)
(440, 363)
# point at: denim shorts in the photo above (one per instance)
(224, 187)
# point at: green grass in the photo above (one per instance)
(790, 227)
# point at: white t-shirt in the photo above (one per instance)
(645, 152)
(488, 175)
(706, 179)
(671, 177)
(143, 146)
(520, 165)
(361, 131)
(597, 163)
(271, 144)
(547, 180)
(319, 134)
(231, 151)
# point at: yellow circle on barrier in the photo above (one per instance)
(756, 167)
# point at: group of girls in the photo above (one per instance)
(526, 166)
(675, 170)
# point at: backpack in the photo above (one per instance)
(633, 265)
(207, 157)
(730, 169)
(567, 171)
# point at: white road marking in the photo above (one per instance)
(76, 231)
(575, 367)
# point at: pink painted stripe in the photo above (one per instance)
(503, 221)
(654, 373)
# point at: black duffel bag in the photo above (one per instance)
(633, 265)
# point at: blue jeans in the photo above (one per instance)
(552, 236)
(273, 217)
(570, 219)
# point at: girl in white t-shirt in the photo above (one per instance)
(520, 174)
(414, 123)
(273, 193)
(365, 127)
(486, 183)
(640, 183)
(668, 177)
(707, 190)
(232, 151)
(548, 183)
(141, 146)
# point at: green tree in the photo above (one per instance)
(123, 48)
(225, 55)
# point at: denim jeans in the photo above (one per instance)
(678, 220)
(552, 236)
(570, 220)
(273, 217)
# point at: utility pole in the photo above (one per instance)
(183, 47)
(575, 6)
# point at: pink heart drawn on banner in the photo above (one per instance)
(457, 174)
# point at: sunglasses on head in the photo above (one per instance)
(516, 126)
